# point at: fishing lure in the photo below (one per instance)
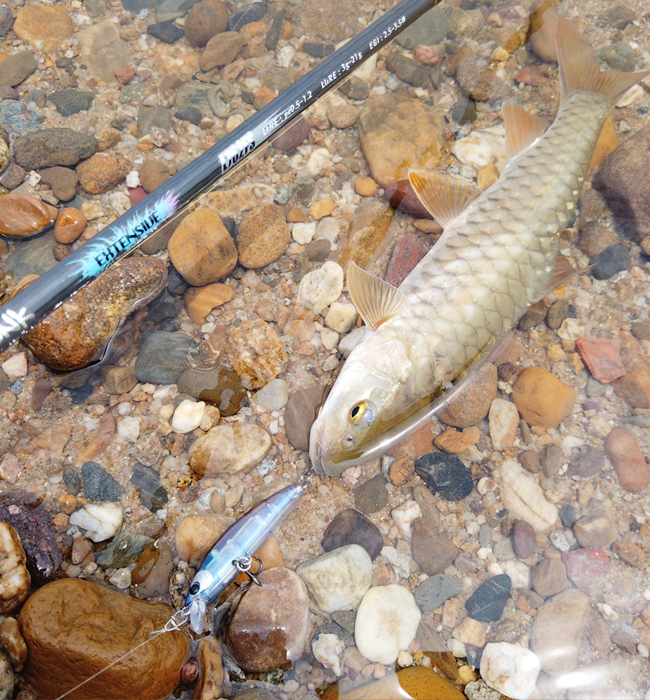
(234, 551)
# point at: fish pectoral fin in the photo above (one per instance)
(375, 300)
(445, 196)
(522, 128)
(562, 272)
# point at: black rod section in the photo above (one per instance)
(33, 304)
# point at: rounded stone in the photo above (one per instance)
(70, 224)
(22, 215)
(263, 236)
(102, 172)
(153, 174)
(541, 398)
(106, 625)
(62, 181)
(44, 28)
(204, 20)
(352, 527)
(473, 402)
(238, 447)
(200, 301)
(201, 248)
(445, 475)
(549, 577)
(622, 450)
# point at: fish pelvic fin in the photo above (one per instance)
(375, 300)
(562, 272)
(444, 196)
(522, 128)
(579, 70)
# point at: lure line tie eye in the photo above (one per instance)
(244, 564)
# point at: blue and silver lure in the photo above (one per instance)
(235, 549)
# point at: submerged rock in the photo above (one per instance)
(74, 628)
(23, 215)
(14, 577)
(125, 549)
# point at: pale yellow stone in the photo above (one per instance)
(321, 208)
(199, 301)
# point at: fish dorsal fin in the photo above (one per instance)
(445, 196)
(562, 272)
(579, 70)
(522, 128)
(375, 300)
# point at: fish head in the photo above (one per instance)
(366, 402)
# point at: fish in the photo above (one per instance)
(234, 551)
(497, 255)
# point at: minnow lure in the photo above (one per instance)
(235, 550)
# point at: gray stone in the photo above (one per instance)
(133, 93)
(69, 102)
(430, 29)
(48, 147)
(408, 70)
(169, 10)
(167, 32)
(17, 117)
(103, 51)
(435, 590)
(6, 20)
(549, 577)
(246, 14)
(16, 68)
(12, 177)
(154, 116)
(31, 257)
(146, 480)
(372, 495)
(194, 95)
(136, 6)
(125, 549)
(99, 485)
(163, 357)
(300, 413)
(618, 56)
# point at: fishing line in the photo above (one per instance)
(33, 304)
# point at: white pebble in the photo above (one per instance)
(101, 520)
(286, 55)
(318, 161)
(303, 233)
(128, 428)
(329, 338)
(234, 121)
(166, 412)
(404, 659)
(341, 317)
(510, 669)
(504, 422)
(188, 416)
(518, 571)
(320, 288)
(630, 96)
(404, 515)
(329, 650)
(608, 612)
(273, 396)
(387, 621)
(570, 329)
(457, 648)
(329, 229)
(121, 578)
(133, 179)
(331, 363)
(481, 148)
(15, 366)
(523, 498)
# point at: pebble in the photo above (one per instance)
(6, 20)
(165, 31)
(221, 50)
(404, 515)
(9, 468)
(432, 550)
(597, 528)
(15, 577)
(524, 499)
(407, 253)
(407, 70)
(107, 624)
(219, 387)
(125, 549)
(163, 357)
(341, 317)
(365, 186)
(529, 460)
(98, 484)
(303, 233)
(263, 236)
(229, 448)
(445, 475)
(371, 496)
(13, 643)
(511, 669)
(196, 535)
(70, 224)
(622, 450)
(487, 602)
(428, 30)
(292, 136)
(152, 174)
(100, 520)
(147, 481)
(318, 161)
(201, 248)
(381, 126)
(386, 623)
(13, 174)
(339, 579)
(585, 565)
(276, 612)
(549, 577)
(188, 416)
(45, 148)
(69, 102)
(473, 402)
(523, 539)
(470, 632)
(504, 422)
(247, 14)
(541, 398)
(16, 68)
(256, 353)
(204, 20)
(552, 459)
(595, 238)
(16, 366)
(629, 552)
(435, 590)
(557, 631)
(200, 301)
(24, 215)
(614, 259)
(476, 77)
(102, 172)
(318, 289)
(329, 650)
(400, 195)
(481, 148)
(62, 182)
(352, 527)
(273, 396)
(299, 415)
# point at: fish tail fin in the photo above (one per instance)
(579, 70)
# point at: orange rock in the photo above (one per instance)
(473, 402)
(401, 470)
(254, 28)
(487, 176)
(415, 445)
(196, 535)
(541, 398)
(263, 236)
(454, 441)
(23, 215)
(365, 186)
(623, 452)
(263, 96)
(321, 208)
(70, 224)
(296, 216)
(101, 172)
(106, 625)
(199, 301)
(44, 28)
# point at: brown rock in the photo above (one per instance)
(321, 208)
(199, 301)
(433, 551)
(401, 471)
(634, 386)
(417, 444)
(541, 398)
(76, 333)
(62, 181)
(629, 552)
(204, 20)
(365, 186)
(256, 353)
(600, 634)
(477, 78)
(102, 172)
(271, 624)
(44, 28)
(454, 441)
(473, 402)
(106, 625)
(543, 25)
(118, 380)
(102, 437)
(263, 236)
(197, 534)
(597, 528)
(602, 357)
(153, 173)
(201, 248)
(389, 149)
(524, 539)
(221, 50)
(107, 138)
(23, 215)
(623, 452)
(70, 224)
(211, 661)
(300, 413)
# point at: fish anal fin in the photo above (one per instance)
(579, 70)
(374, 299)
(445, 196)
(522, 128)
(562, 272)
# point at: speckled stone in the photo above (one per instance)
(45, 148)
(263, 236)
(98, 484)
(445, 475)
(372, 495)
(102, 172)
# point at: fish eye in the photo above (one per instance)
(362, 414)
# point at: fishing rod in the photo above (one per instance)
(32, 305)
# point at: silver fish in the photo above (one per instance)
(495, 258)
